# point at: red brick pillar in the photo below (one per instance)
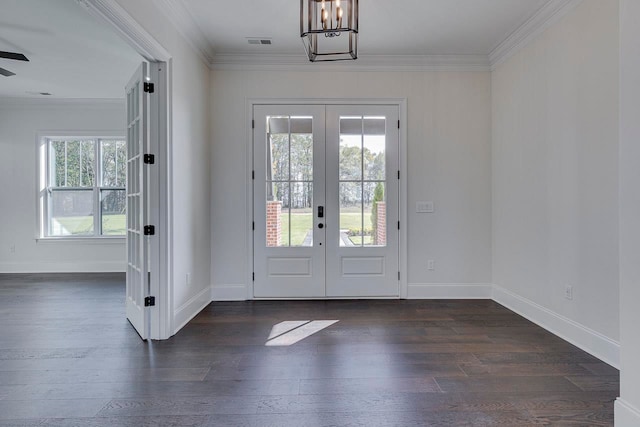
(274, 223)
(381, 226)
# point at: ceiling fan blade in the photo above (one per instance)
(13, 55)
(6, 73)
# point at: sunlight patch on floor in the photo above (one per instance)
(290, 332)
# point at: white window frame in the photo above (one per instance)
(44, 176)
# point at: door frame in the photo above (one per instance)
(401, 103)
(161, 190)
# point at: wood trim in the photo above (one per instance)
(294, 62)
(569, 330)
(549, 14)
(128, 28)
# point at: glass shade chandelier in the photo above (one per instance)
(329, 29)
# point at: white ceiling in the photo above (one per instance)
(72, 54)
(75, 55)
(392, 27)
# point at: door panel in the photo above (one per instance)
(137, 282)
(362, 169)
(288, 241)
(346, 156)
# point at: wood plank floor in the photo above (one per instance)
(68, 357)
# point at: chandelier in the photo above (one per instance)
(329, 29)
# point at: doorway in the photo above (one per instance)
(326, 199)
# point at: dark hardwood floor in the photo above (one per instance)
(68, 357)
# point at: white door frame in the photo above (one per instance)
(401, 103)
(161, 191)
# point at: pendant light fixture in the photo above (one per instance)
(329, 29)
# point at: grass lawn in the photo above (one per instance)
(112, 225)
(302, 222)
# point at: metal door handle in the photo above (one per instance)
(320, 211)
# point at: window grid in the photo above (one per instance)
(291, 179)
(362, 181)
(97, 188)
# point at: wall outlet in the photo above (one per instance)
(431, 264)
(568, 292)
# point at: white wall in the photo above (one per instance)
(449, 133)
(190, 163)
(628, 405)
(20, 122)
(555, 177)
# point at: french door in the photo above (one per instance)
(137, 286)
(325, 201)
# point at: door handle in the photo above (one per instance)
(321, 212)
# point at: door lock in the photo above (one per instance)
(321, 225)
(320, 211)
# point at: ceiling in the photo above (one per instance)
(71, 53)
(392, 27)
(75, 55)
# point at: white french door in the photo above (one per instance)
(325, 201)
(137, 287)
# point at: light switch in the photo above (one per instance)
(425, 207)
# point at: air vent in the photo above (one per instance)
(258, 40)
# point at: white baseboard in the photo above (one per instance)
(569, 330)
(228, 293)
(625, 414)
(191, 308)
(63, 267)
(449, 291)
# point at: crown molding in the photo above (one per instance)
(179, 15)
(545, 17)
(128, 28)
(299, 62)
(87, 103)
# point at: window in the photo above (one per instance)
(83, 184)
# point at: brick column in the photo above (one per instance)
(381, 226)
(274, 223)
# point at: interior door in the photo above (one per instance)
(325, 201)
(137, 287)
(289, 230)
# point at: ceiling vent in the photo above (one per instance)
(257, 40)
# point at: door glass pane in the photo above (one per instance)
(301, 149)
(350, 148)
(375, 214)
(112, 204)
(71, 213)
(362, 181)
(301, 214)
(374, 148)
(277, 211)
(277, 148)
(350, 214)
(289, 176)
